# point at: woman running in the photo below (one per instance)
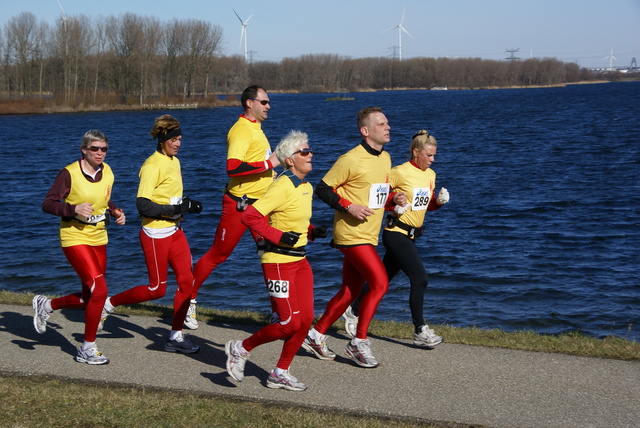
(81, 197)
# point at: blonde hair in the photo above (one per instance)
(421, 139)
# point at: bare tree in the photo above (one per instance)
(21, 39)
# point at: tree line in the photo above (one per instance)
(132, 59)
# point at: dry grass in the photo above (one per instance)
(39, 401)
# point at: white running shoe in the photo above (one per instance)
(190, 321)
(91, 356)
(285, 381)
(361, 354)
(318, 347)
(427, 337)
(103, 318)
(41, 315)
(235, 360)
(350, 322)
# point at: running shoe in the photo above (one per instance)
(91, 356)
(427, 337)
(182, 346)
(350, 322)
(40, 315)
(103, 318)
(361, 354)
(285, 381)
(318, 347)
(235, 360)
(190, 321)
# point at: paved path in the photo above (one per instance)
(453, 383)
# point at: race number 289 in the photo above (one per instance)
(278, 288)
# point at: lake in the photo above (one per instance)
(542, 232)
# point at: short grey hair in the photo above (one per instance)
(289, 144)
(91, 136)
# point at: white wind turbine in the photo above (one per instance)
(243, 34)
(610, 58)
(400, 30)
(64, 16)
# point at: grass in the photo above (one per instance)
(29, 401)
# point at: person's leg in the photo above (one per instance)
(90, 264)
(302, 310)
(402, 254)
(366, 261)
(352, 283)
(228, 233)
(181, 262)
(156, 255)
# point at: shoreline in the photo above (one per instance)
(31, 107)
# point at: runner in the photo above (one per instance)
(287, 273)
(403, 227)
(357, 187)
(250, 165)
(81, 197)
(161, 205)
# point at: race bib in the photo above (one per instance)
(278, 288)
(378, 194)
(421, 197)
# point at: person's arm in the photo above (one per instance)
(328, 195)
(258, 223)
(237, 168)
(53, 202)
(148, 208)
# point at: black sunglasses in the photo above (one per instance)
(303, 152)
(263, 102)
(95, 149)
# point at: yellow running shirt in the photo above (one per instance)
(287, 202)
(418, 185)
(160, 182)
(246, 142)
(363, 179)
(78, 232)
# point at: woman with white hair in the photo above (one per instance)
(282, 217)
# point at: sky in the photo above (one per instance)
(580, 31)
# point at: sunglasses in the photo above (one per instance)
(263, 102)
(303, 152)
(95, 149)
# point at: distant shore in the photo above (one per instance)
(40, 106)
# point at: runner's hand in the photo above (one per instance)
(443, 196)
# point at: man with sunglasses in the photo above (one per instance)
(357, 188)
(250, 165)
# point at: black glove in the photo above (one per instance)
(189, 206)
(289, 238)
(319, 232)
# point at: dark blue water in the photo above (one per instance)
(542, 232)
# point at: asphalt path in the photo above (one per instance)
(469, 385)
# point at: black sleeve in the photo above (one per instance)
(330, 197)
(148, 208)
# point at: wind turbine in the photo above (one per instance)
(400, 30)
(64, 16)
(610, 58)
(243, 34)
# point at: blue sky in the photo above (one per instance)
(582, 31)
